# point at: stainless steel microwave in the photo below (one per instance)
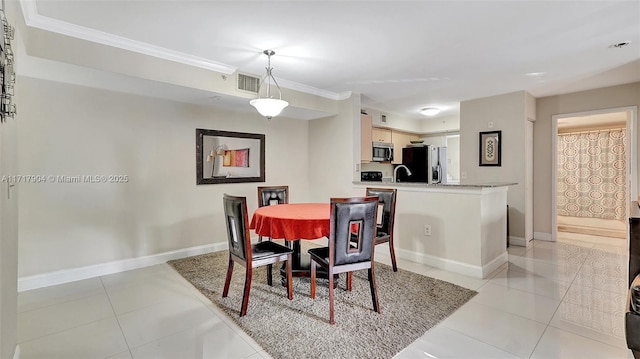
(382, 152)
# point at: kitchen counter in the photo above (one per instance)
(465, 224)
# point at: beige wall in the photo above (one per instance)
(598, 99)
(72, 130)
(8, 238)
(393, 121)
(440, 124)
(9, 221)
(334, 150)
(424, 125)
(507, 113)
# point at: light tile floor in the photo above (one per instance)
(555, 300)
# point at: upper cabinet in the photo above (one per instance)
(369, 134)
(381, 135)
(365, 138)
(401, 140)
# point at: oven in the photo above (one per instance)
(371, 176)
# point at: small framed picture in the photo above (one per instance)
(490, 148)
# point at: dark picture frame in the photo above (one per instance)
(490, 151)
(229, 157)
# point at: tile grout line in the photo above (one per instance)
(116, 316)
(561, 302)
(194, 294)
(519, 316)
(82, 296)
(62, 330)
(554, 312)
(470, 337)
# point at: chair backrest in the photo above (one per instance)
(387, 197)
(268, 195)
(352, 218)
(235, 212)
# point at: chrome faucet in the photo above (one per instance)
(395, 172)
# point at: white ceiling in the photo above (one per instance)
(401, 56)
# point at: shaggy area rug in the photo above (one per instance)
(410, 304)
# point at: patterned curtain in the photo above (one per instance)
(592, 174)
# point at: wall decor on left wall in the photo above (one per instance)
(7, 71)
(229, 157)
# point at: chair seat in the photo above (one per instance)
(320, 255)
(268, 249)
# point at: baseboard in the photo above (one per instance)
(16, 354)
(593, 231)
(451, 265)
(74, 274)
(494, 264)
(542, 236)
(517, 241)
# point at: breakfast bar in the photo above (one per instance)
(456, 227)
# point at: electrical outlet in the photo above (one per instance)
(427, 230)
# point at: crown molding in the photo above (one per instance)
(35, 20)
(314, 90)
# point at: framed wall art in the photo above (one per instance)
(490, 148)
(229, 157)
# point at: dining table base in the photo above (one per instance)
(301, 265)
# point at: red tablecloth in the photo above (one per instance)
(292, 221)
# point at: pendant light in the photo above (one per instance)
(268, 106)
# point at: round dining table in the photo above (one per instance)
(293, 222)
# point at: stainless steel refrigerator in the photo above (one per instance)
(427, 164)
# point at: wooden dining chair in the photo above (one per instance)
(349, 217)
(250, 255)
(384, 233)
(271, 195)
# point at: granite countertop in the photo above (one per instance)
(436, 185)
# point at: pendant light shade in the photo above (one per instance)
(268, 106)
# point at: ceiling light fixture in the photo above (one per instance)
(268, 106)
(430, 111)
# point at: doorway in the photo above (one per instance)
(593, 175)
